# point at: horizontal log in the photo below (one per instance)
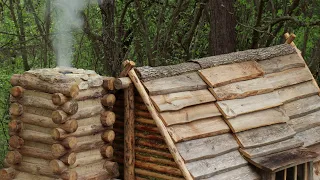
(122, 83)
(14, 157)
(89, 142)
(26, 127)
(8, 173)
(90, 120)
(28, 81)
(112, 168)
(144, 128)
(108, 100)
(156, 160)
(37, 137)
(87, 157)
(151, 144)
(149, 136)
(57, 166)
(37, 111)
(151, 174)
(60, 134)
(70, 126)
(28, 175)
(59, 150)
(59, 99)
(17, 91)
(69, 175)
(36, 152)
(16, 142)
(90, 93)
(101, 174)
(108, 83)
(107, 151)
(69, 158)
(69, 142)
(144, 114)
(158, 168)
(16, 109)
(38, 120)
(153, 151)
(145, 121)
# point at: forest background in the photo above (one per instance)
(149, 32)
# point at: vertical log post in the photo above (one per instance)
(173, 149)
(129, 154)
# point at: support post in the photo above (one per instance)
(129, 153)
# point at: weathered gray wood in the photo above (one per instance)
(271, 148)
(281, 63)
(289, 77)
(198, 129)
(268, 176)
(208, 147)
(147, 73)
(236, 107)
(302, 107)
(257, 119)
(290, 158)
(209, 167)
(242, 89)
(298, 91)
(264, 135)
(226, 74)
(176, 101)
(309, 137)
(190, 114)
(305, 122)
(185, 82)
(315, 148)
(243, 173)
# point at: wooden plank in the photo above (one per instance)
(309, 137)
(271, 148)
(264, 135)
(302, 107)
(198, 129)
(236, 107)
(298, 91)
(242, 89)
(209, 167)
(177, 101)
(185, 82)
(305, 122)
(289, 77)
(315, 148)
(281, 63)
(257, 119)
(243, 173)
(190, 114)
(293, 157)
(208, 147)
(226, 74)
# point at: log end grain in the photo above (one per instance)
(69, 175)
(17, 91)
(57, 166)
(16, 109)
(70, 142)
(108, 136)
(59, 99)
(7, 173)
(58, 150)
(69, 158)
(108, 83)
(59, 117)
(108, 118)
(74, 90)
(13, 157)
(107, 151)
(108, 100)
(112, 168)
(16, 142)
(14, 126)
(70, 126)
(70, 107)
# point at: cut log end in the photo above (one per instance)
(17, 91)
(108, 136)
(69, 158)
(7, 173)
(107, 151)
(59, 99)
(122, 83)
(70, 126)
(13, 157)
(108, 83)
(108, 100)
(58, 150)
(69, 175)
(59, 117)
(16, 142)
(74, 90)
(57, 166)
(15, 126)
(70, 142)
(16, 109)
(70, 107)
(108, 118)
(112, 168)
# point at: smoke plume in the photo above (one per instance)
(68, 19)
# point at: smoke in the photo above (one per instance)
(68, 19)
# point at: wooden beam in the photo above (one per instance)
(174, 151)
(129, 153)
(122, 83)
(290, 38)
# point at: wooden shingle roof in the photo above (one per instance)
(226, 110)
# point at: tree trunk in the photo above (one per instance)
(222, 37)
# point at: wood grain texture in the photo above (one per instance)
(242, 173)
(226, 74)
(176, 101)
(190, 114)
(257, 119)
(302, 107)
(198, 129)
(264, 135)
(272, 163)
(289, 77)
(309, 137)
(305, 122)
(236, 107)
(208, 147)
(298, 91)
(242, 89)
(281, 63)
(185, 82)
(209, 167)
(271, 148)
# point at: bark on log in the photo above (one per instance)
(28, 81)
(37, 137)
(122, 83)
(129, 153)
(36, 152)
(70, 126)
(14, 157)
(57, 166)
(16, 109)
(108, 100)
(16, 142)
(8, 173)
(14, 127)
(170, 144)
(157, 160)
(112, 168)
(158, 168)
(59, 117)
(108, 118)
(128, 65)
(108, 83)
(37, 120)
(87, 157)
(108, 136)
(69, 158)
(148, 73)
(155, 175)
(160, 153)
(90, 93)
(17, 91)
(107, 151)
(60, 134)
(89, 143)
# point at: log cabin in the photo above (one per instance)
(247, 115)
